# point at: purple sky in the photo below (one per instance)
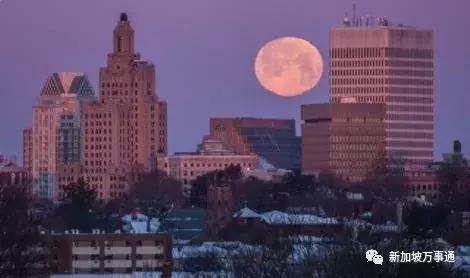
(204, 53)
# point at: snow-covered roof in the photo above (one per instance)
(141, 227)
(246, 213)
(134, 217)
(137, 224)
(265, 165)
(281, 218)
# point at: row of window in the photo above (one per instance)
(424, 187)
(406, 99)
(355, 147)
(384, 52)
(389, 99)
(117, 270)
(116, 84)
(381, 63)
(411, 144)
(120, 257)
(410, 117)
(414, 135)
(244, 164)
(351, 139)
(347, 80)
(380, 72)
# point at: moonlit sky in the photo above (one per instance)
(204, 53)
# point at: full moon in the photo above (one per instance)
(288, 66)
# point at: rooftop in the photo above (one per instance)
(67, 83)
(185, 224)
(282, 218)
(246, 213)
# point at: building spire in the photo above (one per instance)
(124, 36)
(123, 17)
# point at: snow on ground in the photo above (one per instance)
(220, 249)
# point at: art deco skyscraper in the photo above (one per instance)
(55, 133)
(127, 128)
(392, 65)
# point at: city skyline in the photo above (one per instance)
(228, 66)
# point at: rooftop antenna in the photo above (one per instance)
(354, 14)
(346, 21)
(368, 17)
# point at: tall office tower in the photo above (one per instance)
(392, 65)
(344, 139)
(272, 139)
(127, 128)
(56, 129)
(28, 149)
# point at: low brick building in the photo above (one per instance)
(423, 183)
(110, 253)
(11, 174)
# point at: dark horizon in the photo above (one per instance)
(204, 55)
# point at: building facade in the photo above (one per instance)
(127, 128)
(343, 139)
(423, 183)
(5, 159)
(110, 253)
(219, 208)
(28, 149)
(273, 139)
(12, 174)
(393, 65)
(210, 156)
(54, 139)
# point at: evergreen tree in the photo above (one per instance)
(22, 252)
(79, 208)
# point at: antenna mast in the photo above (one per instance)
(354, 15)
